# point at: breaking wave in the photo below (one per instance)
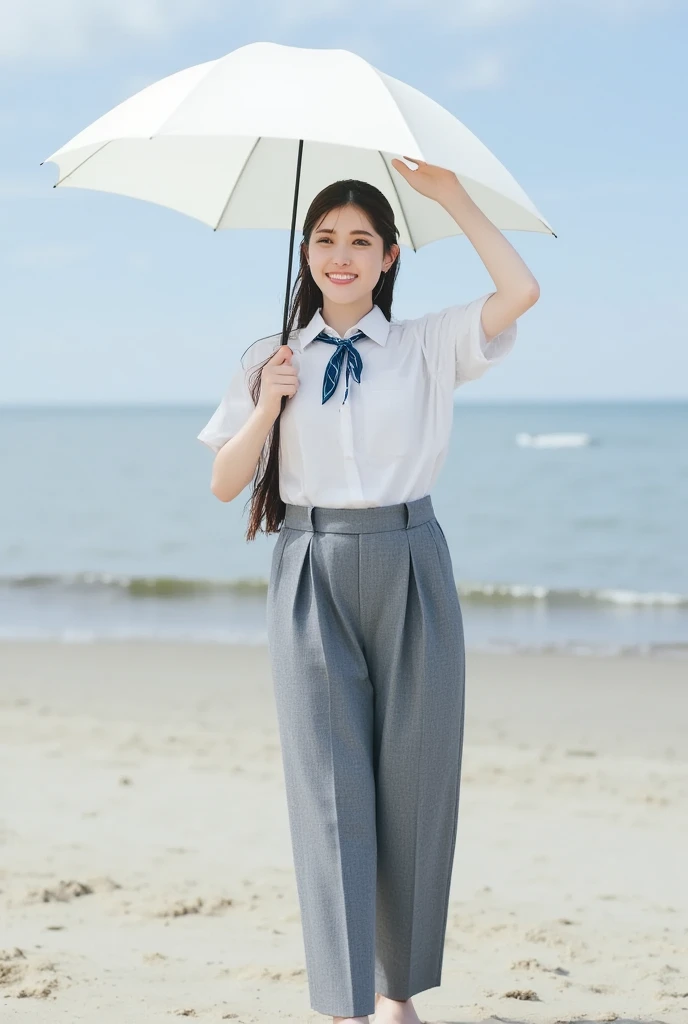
(490, 593)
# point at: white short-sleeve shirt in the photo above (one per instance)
(388, 442)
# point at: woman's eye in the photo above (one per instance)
(357, 240)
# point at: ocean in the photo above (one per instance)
(108, 528)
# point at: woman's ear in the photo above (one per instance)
(393, 253)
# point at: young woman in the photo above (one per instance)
(364, 623)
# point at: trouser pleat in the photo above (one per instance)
(366, 645)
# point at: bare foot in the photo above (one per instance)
(394, 1011)
(350, 1020)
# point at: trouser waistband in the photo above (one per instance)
(403, 516)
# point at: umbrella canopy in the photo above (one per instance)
(223, 141)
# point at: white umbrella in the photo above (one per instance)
(247, 141)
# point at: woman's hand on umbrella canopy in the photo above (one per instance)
(430, 180)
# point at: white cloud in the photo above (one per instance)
(485, 13)
(47, 255)
(298, 11)
(625, 9)
(494, 13)
(71, 28)
(484, 71)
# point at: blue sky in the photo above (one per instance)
(105, 298)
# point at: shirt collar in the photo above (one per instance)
(374, 324)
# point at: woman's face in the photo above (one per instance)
(345, 242)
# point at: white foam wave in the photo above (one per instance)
(562, 440)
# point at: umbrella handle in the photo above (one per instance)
(291, 242)
(291, 254)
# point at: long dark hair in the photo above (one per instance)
(267, 508)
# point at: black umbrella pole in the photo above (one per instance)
(291, 243)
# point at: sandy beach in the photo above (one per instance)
(146, 866)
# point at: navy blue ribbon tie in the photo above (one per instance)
(354, 363)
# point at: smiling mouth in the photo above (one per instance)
(342, 278)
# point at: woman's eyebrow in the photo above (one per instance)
(354, 231)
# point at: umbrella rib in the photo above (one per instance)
(82, 163)
(401, 205)
(243, 168)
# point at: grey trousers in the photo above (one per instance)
(366, 645)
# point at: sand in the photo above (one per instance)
(145, 860)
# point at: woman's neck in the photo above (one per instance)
(341, 316)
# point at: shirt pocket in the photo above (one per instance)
(387, 421)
